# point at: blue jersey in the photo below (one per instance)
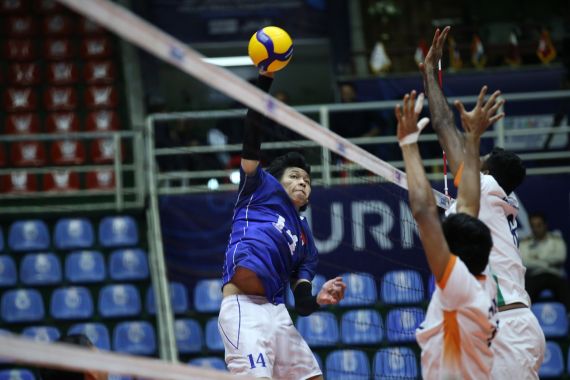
(269, 237)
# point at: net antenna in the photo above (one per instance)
(148, 37)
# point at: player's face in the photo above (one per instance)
(297, 184)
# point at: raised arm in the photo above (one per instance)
(419, 189)
(251, 151)
(475, 122)
(442, 119)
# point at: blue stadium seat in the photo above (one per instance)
(317, 283)
(431, 286)
(402, 287)
(118, 377)
(347, 365)
(119, 301)
(97, 333)
(213, 338)
(401, 324)
(362, 326)
(118, 231)
(128, 264)
(211, 362)
(22, 305)
(552, 318)
(553, 364)
(189, 337)
(395, 363)
(42, 333)
(137, 338)
(360, 289)
(28, 235)
(208, 295)
(71, 303)
(178, 298)
(73, 233)
(8, 275)
(16, 374)
(319, 329)
(85, 267)
(40, 269)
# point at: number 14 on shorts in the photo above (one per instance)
(260, 361)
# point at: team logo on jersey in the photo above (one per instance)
(291, 238)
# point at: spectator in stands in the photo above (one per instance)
(57, 374)
(544, 255)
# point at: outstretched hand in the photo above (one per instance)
(476, 121)
(435, 51)
(407, 115)
(332, 292)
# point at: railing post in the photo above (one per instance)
(325, 153)
(501, 129)
(117, 157)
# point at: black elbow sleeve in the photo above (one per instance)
(305, 302)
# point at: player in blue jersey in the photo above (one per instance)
(270, 246)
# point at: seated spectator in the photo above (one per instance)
(544, 254)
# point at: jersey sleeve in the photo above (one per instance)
(308, 267)
(458, 286)
(249, 183)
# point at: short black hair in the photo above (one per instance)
(469, 239)
(507, 168)
(57, 374)
(288, 160)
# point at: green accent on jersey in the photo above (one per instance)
(500, 299)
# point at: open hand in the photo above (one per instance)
(407, 115)
(435, 51)
(332, 292)
(476, 121)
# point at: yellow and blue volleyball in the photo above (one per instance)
(270, 48)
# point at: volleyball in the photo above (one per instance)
(270, 48)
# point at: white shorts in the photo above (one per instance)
(261, 340)
(519, 346)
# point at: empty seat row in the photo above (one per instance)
(72, 233)
(76, 303)
(388, 363)
(52, 24)
(58, 49)
(80, 267)
(61, 122)
(60, 180)
(59, 73)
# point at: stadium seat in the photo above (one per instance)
(213, 338)
(95, 72)
(61, 180)
(22, 25)
(97, 333)
(18, 182)
(553, 364)
(20, 49)
(22, 305)
(208, 295)
(128, 264)
(189, 337)
(16, 374)
(119, 301)
(20, 99)
(118, 377)
(8, 274)
(402, 287)
(395, 363)
(89, 27)
(431, 286)
(27, 153)
(117, 231)
(40, 269)
(57, 24)
(319, 329)
(103, 151)
(137, 338)
(96, 48)
(360, 289)
(57, 98)
(13, 6)
(62, 122)
(47, 7)
(73, 233)
(22, 124)
(62, 73)
(67, 152)
(362, 326)
(42, 333)
(317, 284)
(347, 365)
(211, 362)
(401, 324)
(178, 298)
(28, 235)
(24, 74)
(58, 49)
(102, 121)
(71, 303)
(103, 179)
(101, 97)
(552, 318)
